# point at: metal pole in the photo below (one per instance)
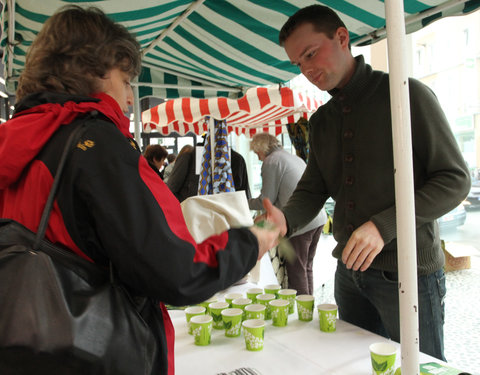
(136, 114)
(404, 187)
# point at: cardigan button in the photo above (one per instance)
(350, 205)
(348, 158)
(350, 227)
(349, 180)
(346, 109)
(348, 134)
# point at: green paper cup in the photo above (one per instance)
(383, 355)
(289, 295)
(192, 311)
(252, 293)
(208, 302)
(272, 289)
(254, 333)
(201, 329)
(216, 309)
(231, 296)
(232, 321)
(264, 299)
(255, 311)
(305, 305)
(327, 315)
(279, 312)
(240, 303)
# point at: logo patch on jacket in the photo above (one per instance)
(84, 145)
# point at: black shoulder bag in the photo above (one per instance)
(61, 314)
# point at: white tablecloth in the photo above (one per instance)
(299, 348)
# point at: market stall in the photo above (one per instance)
(261, 109)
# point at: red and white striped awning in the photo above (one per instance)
(261, 109)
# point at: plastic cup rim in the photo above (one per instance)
(233, 295)
(195, 310)
(255, 290)
(265, 297)
(388, 348)
(305, 298)
(327, 307)
(279, 302)
(201, 319)
(255, 307)
(253, 323)
(218, 305)
(242, 301)
(233, 311)
(287, 292)
(272, 286)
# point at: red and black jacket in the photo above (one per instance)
(111, 206)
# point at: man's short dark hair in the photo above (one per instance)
(323, 19)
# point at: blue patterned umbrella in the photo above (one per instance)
(222, 180)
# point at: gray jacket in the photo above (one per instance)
(280, 173)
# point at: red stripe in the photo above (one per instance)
(170, 335)
(223, 107)
(204, 110)
(263, 97)
(187, 110)
(169, 111)
(154, 115)
(243, 104)
(287, 97)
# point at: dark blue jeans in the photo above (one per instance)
(370, 300)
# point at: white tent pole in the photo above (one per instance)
(136, 114)
(404, 190)
(376, 34)
(11, 36)
(193, 7)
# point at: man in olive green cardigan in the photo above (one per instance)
(351, 160)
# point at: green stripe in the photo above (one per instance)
(36, 17)
(471, 5)
(135, 15)
(280, 6)
(170, 79)
(217, 55)
(233, 13)
(358, 13)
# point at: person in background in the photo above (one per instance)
(281, 172)
(351, 160)
(168, 169)
(111, 207)
(239, 173)
(183, 181)
(156, 155)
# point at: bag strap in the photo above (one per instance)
(72, 140)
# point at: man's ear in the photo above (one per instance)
(343, 36)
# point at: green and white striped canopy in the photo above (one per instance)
(207, 48)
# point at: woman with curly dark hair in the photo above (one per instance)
(111, 207)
